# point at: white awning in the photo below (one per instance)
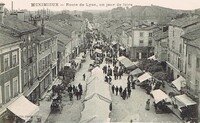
(126, 62)
(98, 51)
(113, 42)
(122, 48)
(159, 95)
(178, 82)
(136, 71)
(185, 100)
(23, 108)
(144, 77)
(68, 64)
(95, 111)
(152, 57)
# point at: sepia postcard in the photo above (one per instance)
(106, 61)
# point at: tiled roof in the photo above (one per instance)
(6, 39)
(47, 34)
(160, 35)
(63, 38)
(184, 22)
(20, 26)
(195, 43)
(65, 16)
(65, 31)
(192, 35)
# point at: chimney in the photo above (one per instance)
(42, 27)
(20, 15)
(1, 12)
(12, 6)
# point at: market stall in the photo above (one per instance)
(127, 63)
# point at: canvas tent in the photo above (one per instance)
(97, 71)
(152, 57)
(184, 99)
(159, 95)
(179, 82)
(23, 108)
(100, 88)
(144, 77)
(95, 110)
(126, 62)
(136, 71)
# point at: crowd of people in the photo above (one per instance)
(76, 91)
(125, 93)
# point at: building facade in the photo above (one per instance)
(142, 42)
(46, 58)
(176, 48)
(160, 44)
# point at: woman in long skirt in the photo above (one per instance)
(147, 105)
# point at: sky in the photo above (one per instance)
(98, 5)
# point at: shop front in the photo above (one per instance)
(33, 94)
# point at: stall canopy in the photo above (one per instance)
(185, 100)
(159, 95)
(152, 57)
(99, 88)
(122, 48)
(23, 108)
(179, 82)
(113, 42)
(95, 111)
(68, 64)
(126, 62)
(144, 77)
(136, 71)
(98, 51)
(97, 71)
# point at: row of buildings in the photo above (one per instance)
(31, 54)
(179, 47)
(176, 43)
(135, 37)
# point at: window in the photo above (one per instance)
(34, 50)
(189, 59)
(24, 55)
(29, 74)
(180, 48)
(29, 37)
(173, 44)
(150, 34)
(150, 42)
(7, 91)
(15, 86)
(141, 34)
(46, 62)
(14, 59)
(179, 63)
(141, 43)
(168, 58)
(25, 77)
(34, 70)
(6, 62)
(198, 63)
(29, 52)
